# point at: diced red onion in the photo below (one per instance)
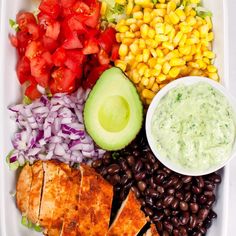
(53, 129)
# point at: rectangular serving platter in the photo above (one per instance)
(10, 93)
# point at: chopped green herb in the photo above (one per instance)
(115, 155)
(178, 97)
(26, 100)
(13, 25)
(25, 222)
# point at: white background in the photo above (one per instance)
(232, 60)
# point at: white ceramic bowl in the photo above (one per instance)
(166, 161)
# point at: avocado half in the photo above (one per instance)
(113, 112)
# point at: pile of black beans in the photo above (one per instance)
(178, 205)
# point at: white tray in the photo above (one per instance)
(10, 93)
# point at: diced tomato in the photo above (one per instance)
(53, 30)
(72, 42)
(63, 80)
(13, 40)
(32, 92)
(23, 69)
(34, 49)
(39, 70)
(94, 75)
(49, 44)
(48, 58)
(90, 46)
(23, 39)
(25, 18)
(44, 20)
(75, 25)
(59, 57)
(50, 7)
(107, 39)
(81, 7)
(115, 52)
(103, 58)
(74, 61)
(67, 3)
(34, 30)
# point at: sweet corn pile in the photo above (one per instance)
(162, 42)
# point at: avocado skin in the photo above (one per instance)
(113, 141)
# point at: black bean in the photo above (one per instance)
(168, 200)
(197, 233)
(170, 191)
(136, 191)
(184, 218)
(215, 178)
(103, 171)
(212, 215)
(142, 186)
(153, 193)
(211, 200)
(140, 176)
(193, 221)
(183, 206)
(208, 193)
(113, 169)
(187, 196)
(159, 178)
(124, 179)
(168, 226)
(186, 179)
(155, 166)
(179, 185)
(196, 190)
(151, 158)
(175, 232)
(128, 185)
(209, 186)
(165, 233)
(183, 231)
(202, 230)
(128, 173)
(106, 159)
(115, 179)
(131, 160)
(142, 201)
(148, 211)
(158, 204)
(159, 226)
(138, 166)
(136, 153)
(174, 213)
(167, 212)
(122, 195)
(124, 165)
(203, 213)
(167, 170)
(202, 199)
(175, 203)
(97, 163)
(175, 221)
(194, 207)
(200, 181)
(158, 217)
(149, 200)
(179, 195)
(207, 223)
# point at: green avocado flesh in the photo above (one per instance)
(113, 112)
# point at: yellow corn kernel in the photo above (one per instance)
(191, 20)
(155, 21)
(203, 30)
(134, 48)
(144, 81)
(138, 15)
(162, 85)
(153, 52)
(185, 28)
(209, 22)
(161, 38)
(135, 76)
(152, 62)
(137, 34)
(177, 62)
(129, 34)
(121, 2)
(202, 64)
(142, 69)
(123, 50)
(146, 93)
(183, 40)
(146, 17)
(147, 73)
(209, 54)
(174, 18)
(161, 78)
(210, 37)
(188, 58)
(131, 21)
(148, 101)
(133, 28)
(150, 82)
(142, 3)
(166, 68)
(146, 54)
(206, 60)
(122, 28)
(172, 35)
(159, 52)
(168, 45)
(194, 65)
(160, 12)
(118, 38)
(103, 8)
(159, 28)
(211, 69)
(142, 44)
(172, 54)
(155, 87)
(155, 72)
(162, 1)
(174, 72)
(151, 43)
(158, 66)
(129, 7)
(171, 6)
(139, 58)
(198, 56)
(168, 28)
(177, 38)
(186, 50)
(151, 33)
(180, 13)
(165, 51)
(192, 41)
(144, 30)
(127, 41)
(136, 8)
(214, 76)
(196, 72)
(161, 6)
(121, 64)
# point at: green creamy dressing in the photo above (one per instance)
(194, 126)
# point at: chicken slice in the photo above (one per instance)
(23, 189)
(35, 192)
(65, 185)
(130, 219)
(152, 231)
(72, 214)
(94, 203)
(50, 192)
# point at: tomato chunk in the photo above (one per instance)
(53, 30)
(25, 18)
(23, 69)
(50, 7)
(107, 39)
(34, 49)
(72, 42)
(32, 92)
(59, 57)
(91, 46)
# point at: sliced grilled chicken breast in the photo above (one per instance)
(71, 217)
(23, 189)
(35, 192)
(129, 220)
(94, 203)
(152, 231)
(61, 201)
(50, 192)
